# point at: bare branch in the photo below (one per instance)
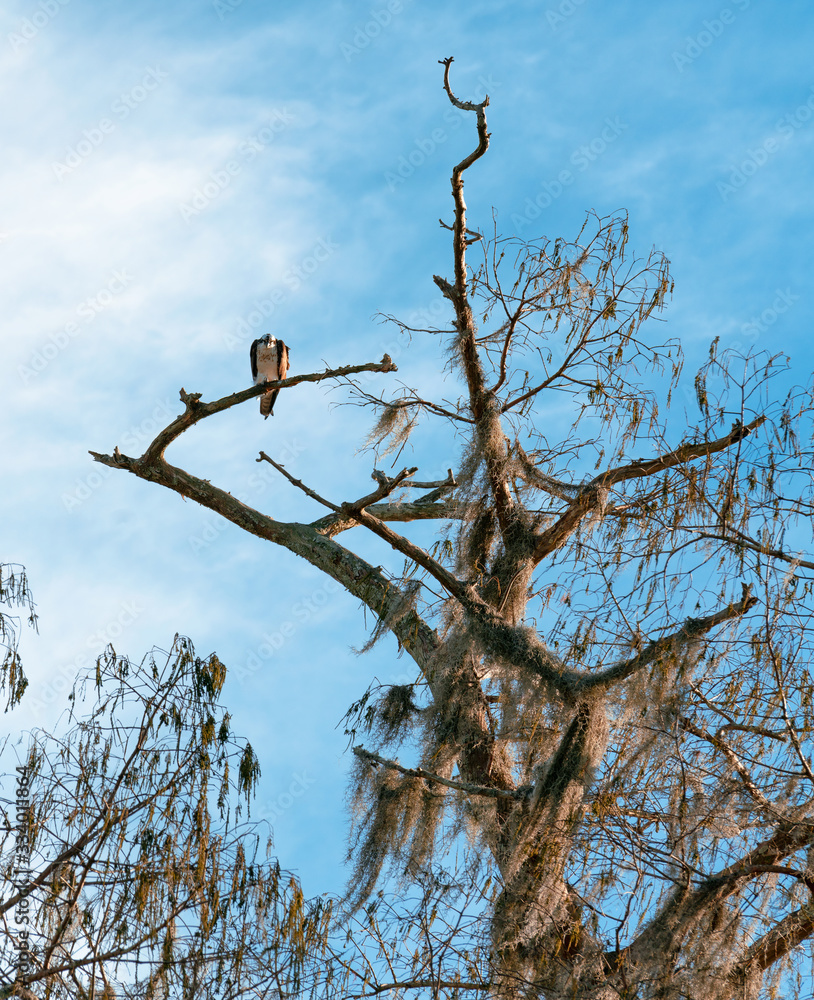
(683, 454)
(442, 486)
(671, 922)
(782, 939)
(425, 508)
(196, 410)
(420, 510)
(483, 136)
(420, 984)
(735, 727)
(738, 538)
(367, 583)
(691, 630)
(409, 400)
(385, 488)
(496, 633)
(737, 765)
(591, 494)
(482, 402)
(519, 794)
(790, 727)
(297, 482)
(451, 584)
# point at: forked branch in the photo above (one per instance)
(196, 410)
(448, 510)
(481, 401)
(368, 583)
(591, 494)
(668, 645)
(483, 136)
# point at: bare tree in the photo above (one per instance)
(129, 870)
(613, 700)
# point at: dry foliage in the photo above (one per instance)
(14, 593)
(146, 878)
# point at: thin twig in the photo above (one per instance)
(298, 483)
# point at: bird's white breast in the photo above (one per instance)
(267, 363)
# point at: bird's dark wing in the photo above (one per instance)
(253, 356)
(282, 360)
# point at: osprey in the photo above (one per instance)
(269, 364)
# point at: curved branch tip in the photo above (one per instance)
(462, 105)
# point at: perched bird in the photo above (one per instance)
(269, 364)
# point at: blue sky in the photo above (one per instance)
(178, 178)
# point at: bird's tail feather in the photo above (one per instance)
(266, 403)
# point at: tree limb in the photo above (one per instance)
(428, 776)
(737, 765)
(499, 638)
(454, 586)
(441, 486)
(298, 482)
(482, 403)
(673, 920)
(776, 943)
(419, 984)
(196, 410)
(367, 583)
(748, 543)
(684, 453)
(590, 495)
(334, 524)
(692, 629)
